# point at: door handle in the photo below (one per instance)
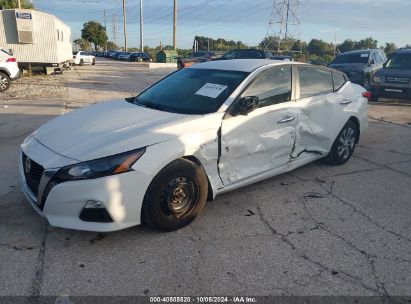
(286, 119)
(345, 102)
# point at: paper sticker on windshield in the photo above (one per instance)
(364, 55)
(211, 90)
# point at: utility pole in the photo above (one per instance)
(19, 3)
(141, 26)
(105, 25)
(175, 26)
(125, 25)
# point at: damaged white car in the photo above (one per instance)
(199, 132)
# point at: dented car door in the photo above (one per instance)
(262, 140)
(321, 114)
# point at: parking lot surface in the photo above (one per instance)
(319, 230)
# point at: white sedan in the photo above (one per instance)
(82, 57)
(202, 131)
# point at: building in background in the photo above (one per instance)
(36, 39)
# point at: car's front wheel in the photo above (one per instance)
(343, 146)
(4, 82)
(93, 62)
(175, 196)
(81, 62)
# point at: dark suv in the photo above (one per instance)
(140, 57)
(246, 54)
(359, 65)
(394, 79)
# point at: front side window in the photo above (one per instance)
(272, 86)
(192, 91)
(314, 81)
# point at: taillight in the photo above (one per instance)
(11, 59)
(367, 95)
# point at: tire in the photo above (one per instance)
(344, 145)
(93, 62)
(81, 62)
(176, 196)
(4, 82)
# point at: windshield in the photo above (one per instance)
(351, 58)
(399, 61)
(192, 91)
(4, 51)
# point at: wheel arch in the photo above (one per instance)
(356, 121)
(5, 71)
(192, 158)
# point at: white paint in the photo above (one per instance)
(211, 90)
(253, 147)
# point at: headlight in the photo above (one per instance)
(111, 165)
(376, 79)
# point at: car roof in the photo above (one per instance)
(403, 51)
(241, 65)
(360, 51)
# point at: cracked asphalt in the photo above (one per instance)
(319, 230)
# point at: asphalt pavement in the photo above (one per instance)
(319, 230)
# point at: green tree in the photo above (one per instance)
(367, 43)
(95, 33)
(320, 47)
(7, 4)
(83, 44)
(347, 46)
(390, 48)
(111, 46)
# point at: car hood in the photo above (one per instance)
(394, 72)
(349, 67)
(113, 127)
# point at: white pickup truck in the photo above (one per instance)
(9, 69)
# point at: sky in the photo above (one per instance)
(245, 20)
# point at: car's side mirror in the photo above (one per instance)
(247, 105)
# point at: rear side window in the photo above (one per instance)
(315, 81)
(339, 81)
(249, 54)
(272, 86)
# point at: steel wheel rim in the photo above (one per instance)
(346, 143)
(3, 82)
(179, 197)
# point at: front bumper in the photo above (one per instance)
(121, 195)
(391, 91)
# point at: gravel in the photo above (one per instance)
(34, 87)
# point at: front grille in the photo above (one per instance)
(33, 173)
(393, 79)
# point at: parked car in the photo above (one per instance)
(360, 65)
(282, 57)
(124, 56)
(159, 156)
(195, 57)
(394, 79)
(81, 57)
(9, 70)
(140, 57)
(246, 54)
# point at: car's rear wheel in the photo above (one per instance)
(81, 62)
(344, 145)
(4, 82)
(175, 196)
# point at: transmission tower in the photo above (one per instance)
(284, 21)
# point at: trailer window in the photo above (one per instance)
(62, 36)
(58, 35)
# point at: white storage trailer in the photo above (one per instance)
(35, 38)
